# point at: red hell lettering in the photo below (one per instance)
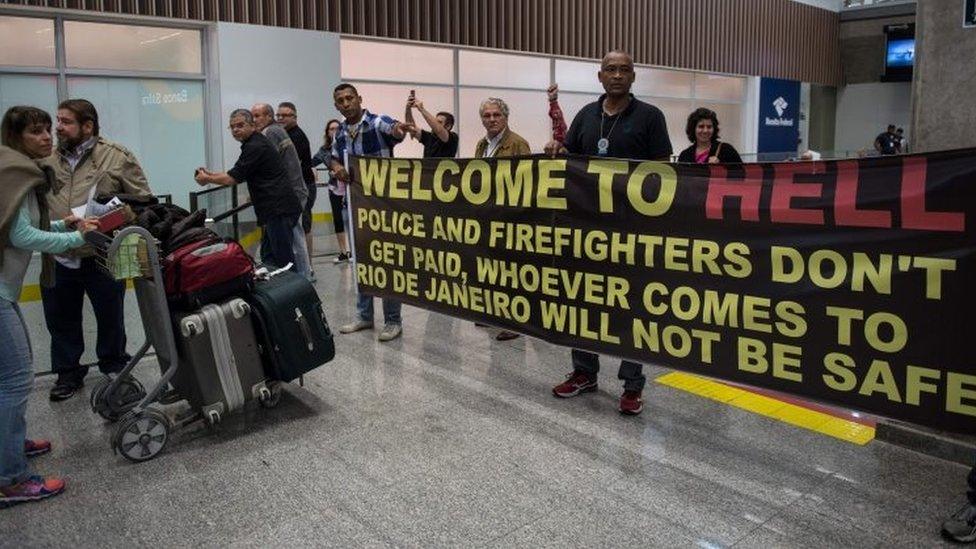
(785, 189)
(912, 205)
(845, 201)
(748, 190)
(913, 212)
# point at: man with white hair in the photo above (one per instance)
(499, 142)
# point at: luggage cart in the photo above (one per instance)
(143, 430)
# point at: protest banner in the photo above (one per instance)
(847, 282)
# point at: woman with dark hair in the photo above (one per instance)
(25, 227)
(337, 190)
(702, 131)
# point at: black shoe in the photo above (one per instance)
(112, 368)
(961, 527)
(66, 386)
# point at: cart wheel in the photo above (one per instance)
(142, 436)
(270, 396)
(96, 392)
(113, 405)
(213, 418)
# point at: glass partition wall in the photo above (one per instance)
(457, 80)
(148, 84)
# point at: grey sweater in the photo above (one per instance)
(293, 166)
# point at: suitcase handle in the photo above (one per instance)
(306, 330)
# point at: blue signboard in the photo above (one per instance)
(779, 115)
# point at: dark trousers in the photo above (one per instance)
(972, 486)
(309, 204)
(63, 306)
(276, 241)
(629, 372)
(337, 201)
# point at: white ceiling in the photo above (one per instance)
(832, 5)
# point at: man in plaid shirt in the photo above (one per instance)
(363, 133)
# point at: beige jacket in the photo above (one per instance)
(108, 167)
(512, 144)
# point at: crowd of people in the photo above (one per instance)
(43, 194)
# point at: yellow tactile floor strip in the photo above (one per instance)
(813, 420)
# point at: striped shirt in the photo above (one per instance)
(372, 136)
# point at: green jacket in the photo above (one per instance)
(108, 167)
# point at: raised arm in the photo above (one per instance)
(408, 115)
(556, 115)
(436, 127)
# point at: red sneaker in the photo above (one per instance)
(34, 448)
(576, 383)
(33, 489)
(631, 403)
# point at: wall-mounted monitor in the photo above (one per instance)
(899, 55)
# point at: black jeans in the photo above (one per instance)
(337, 202)
(276, 241)
(309, 204)
(629, 372)
(63, 306)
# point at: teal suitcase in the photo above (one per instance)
(293, 334)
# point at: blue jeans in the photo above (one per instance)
(63, 307)
(277, 241)
(630, 372)
(299, 249)
(16, 381)
(391, 309)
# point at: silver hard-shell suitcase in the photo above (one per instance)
(221, 367)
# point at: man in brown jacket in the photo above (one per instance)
(86, 165)
(499, 141)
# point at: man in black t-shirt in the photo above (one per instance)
(902, 144)
(887, 143)
(618, 124)
(621, 126)
(275, 204)
(440, 141)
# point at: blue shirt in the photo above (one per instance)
(372, 136)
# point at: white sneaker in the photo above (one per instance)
(341, 258)
(356, 326)
(390, 332)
